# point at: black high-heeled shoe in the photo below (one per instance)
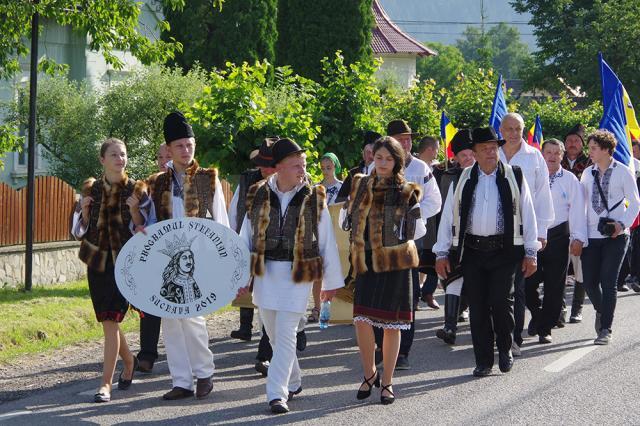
(386, 400)
(364, 394)
(124, 384)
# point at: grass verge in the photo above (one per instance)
(50, 317)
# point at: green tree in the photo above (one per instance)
(245, 30)
(311, 30)
(74, 119)
(571, 33)
(560, 115)
(443, 67)
(469, 103)
(110, 25)
(500, 48)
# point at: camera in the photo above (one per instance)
(606, 226)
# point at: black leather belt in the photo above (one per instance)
(490, 243)
(558, 231)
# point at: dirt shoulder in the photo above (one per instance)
(83, 361)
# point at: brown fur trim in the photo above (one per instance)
(257, 257)
(321, 200)
(166, 205)
(395, 258)
(140, 189)
(307, 270)
(86, 187)
(355, 184)
(251, 195)
(92, 256)
(213, 175)
(257, 264)
(357, 248)
(151, 180)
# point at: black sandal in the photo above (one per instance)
(124, 384)
(364, 394)
(386, 400)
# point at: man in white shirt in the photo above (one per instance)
(567, 230)
(289, 232)
(186, 189)
(488, 223)
(612, 206)
(516, 152)
(419, 172)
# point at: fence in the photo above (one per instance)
(55, 201)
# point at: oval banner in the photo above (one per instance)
(182, 268)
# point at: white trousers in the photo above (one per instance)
(186, 342)
(284, 370)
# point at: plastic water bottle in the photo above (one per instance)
(325, 314)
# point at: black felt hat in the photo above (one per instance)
(283, 148)
(370, 137)
(484, 135)
(398, 127)
(265, 153)
(461, 140)
(176, 127)
(577, 130)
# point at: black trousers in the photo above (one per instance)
(406, 336)
(553, 263)
(488, 282)
(149, 336)
(265, 352)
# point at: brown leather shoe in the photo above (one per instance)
(430, 301)
(204, 387)
(177, 393)
(145, 366)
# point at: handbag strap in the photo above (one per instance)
(596, 176)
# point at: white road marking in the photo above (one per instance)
(568, 359)
(13, 414)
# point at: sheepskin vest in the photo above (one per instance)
(198, 190)
(108, 228)
(291, 237)
(247, 179)
(383, 207)
(509, 182)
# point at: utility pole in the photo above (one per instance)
(31, 150)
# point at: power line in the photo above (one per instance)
(415, 22)
(452, 33)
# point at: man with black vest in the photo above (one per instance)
(237, 209)
(493, 234)
(187, 190)
(289, 232)
(461, 145)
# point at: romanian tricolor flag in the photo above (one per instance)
(447, 130)
(534, 137)
(619, 116)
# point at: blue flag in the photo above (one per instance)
(499, 109)
(614, 118)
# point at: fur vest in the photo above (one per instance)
(247, 179)
(108, 227)
(293, 237)
(383, 207)
(198, 190)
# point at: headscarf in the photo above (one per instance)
(334, 159)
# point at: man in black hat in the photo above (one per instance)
(288, 229)
(461, 145)
(370, 137)
(491, 237)
(186, 190)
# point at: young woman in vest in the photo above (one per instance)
(111, 208)
(383, 215)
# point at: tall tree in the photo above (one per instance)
(110, 25)
(444, 67)
(243, 31)
(309, 30)
(499, 47)
(571, 33)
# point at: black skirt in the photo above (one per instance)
(108, 303)
(383, 299)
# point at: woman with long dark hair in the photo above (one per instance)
(383, 215)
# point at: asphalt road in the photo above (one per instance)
(568, 382)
